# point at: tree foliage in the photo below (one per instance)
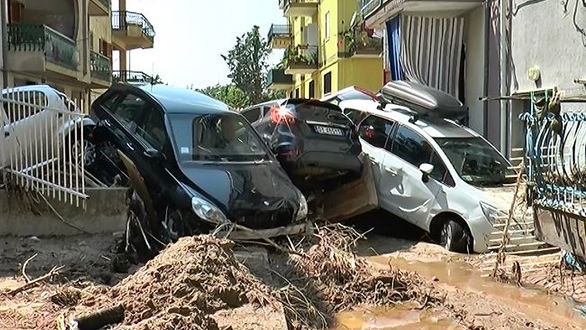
(229, 94)
(248, 64)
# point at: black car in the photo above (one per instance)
(199, 159)
(313, 140)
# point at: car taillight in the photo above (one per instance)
(280, 115)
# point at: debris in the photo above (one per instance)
(23, 270)
(30, 284)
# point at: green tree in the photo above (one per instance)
(248, 64)
(229, 94)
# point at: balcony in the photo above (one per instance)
(296, 8)
(367, 7)
(277, 79)
(280, 36)
(131, 30)
(38, 48)
(99, 7)
(358, 44)
(101, 70)
(302, 59)
(132, 77)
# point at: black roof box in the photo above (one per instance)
(422, 99)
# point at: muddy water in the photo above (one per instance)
(533, 303)
(398, 317)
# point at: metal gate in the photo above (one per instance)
(42, 143)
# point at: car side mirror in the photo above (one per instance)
(426, 170)
(153, 153)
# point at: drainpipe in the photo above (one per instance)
(503, 74)
(487, 6)
(3, 4)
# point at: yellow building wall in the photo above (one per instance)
(366, 73)
(101, 28)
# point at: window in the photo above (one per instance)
(225, 137)
(297, 93)
(252, 115)
(311, 89)
(355, 115)
(416, 150)
(376, 131)
(127, 110)
(327, 83)
(327, 26)
(152, 128)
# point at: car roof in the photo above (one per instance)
(434, 127)
(297, 101)
(178, 100)
(349, 89)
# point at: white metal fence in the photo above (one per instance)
(42, 143)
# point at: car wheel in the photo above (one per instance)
(89, 151)
(454, 237)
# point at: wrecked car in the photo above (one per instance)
(431, 171)
(35, 115)
(313, 140)
(201, 163)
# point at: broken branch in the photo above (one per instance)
(30, 284)
(23, 270)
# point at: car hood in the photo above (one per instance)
(244, 189)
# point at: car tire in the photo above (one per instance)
(454, 237)
(89, 149)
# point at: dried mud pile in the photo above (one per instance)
(198, 278)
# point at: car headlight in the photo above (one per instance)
(207, 211)
(302, 212)
(490, 212)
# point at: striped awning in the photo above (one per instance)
(431, 51)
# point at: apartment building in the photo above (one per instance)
(68, 44)
(326, 49)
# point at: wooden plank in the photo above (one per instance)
(351, 199)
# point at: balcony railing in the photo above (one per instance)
(101, 66)
(121, 20)
(278, 77)
(357, 42)
(279, 31)
(367, 7)
(107, 3)
(57, 48)
(132, 77)
(285, 3)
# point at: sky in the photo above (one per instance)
(192, 34)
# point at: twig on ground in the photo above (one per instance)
(54, 271)
(23, 270)
(59, 215)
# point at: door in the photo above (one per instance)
(374, 133)
(406, 192)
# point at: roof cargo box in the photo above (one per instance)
(422, 99)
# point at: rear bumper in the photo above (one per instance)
(330, 160)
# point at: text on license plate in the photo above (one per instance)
(329, 130)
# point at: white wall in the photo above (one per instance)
(546, 34)
(474, 38)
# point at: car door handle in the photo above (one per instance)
(130, 146)
(391, 171)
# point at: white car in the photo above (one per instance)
(434, 173)
(31, 117)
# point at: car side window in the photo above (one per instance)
(354, 115)
(376, 131)
(128, 110)
(31, 103)
(416, 150)
(252, 115)
(152, 128)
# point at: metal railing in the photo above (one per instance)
(358, 42)
(302, 55)
(56, 47)
(279, 30)
(101, 66)
(131, 76)
(556, 157)
(107, 3)
(285, 3)
(43, 145)
(121, 20)
(367, 7)
(278, 76)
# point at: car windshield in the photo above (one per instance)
(476, 161)
(216, 137)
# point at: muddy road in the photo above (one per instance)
(468, 301)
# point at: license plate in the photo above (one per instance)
(329, 130)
